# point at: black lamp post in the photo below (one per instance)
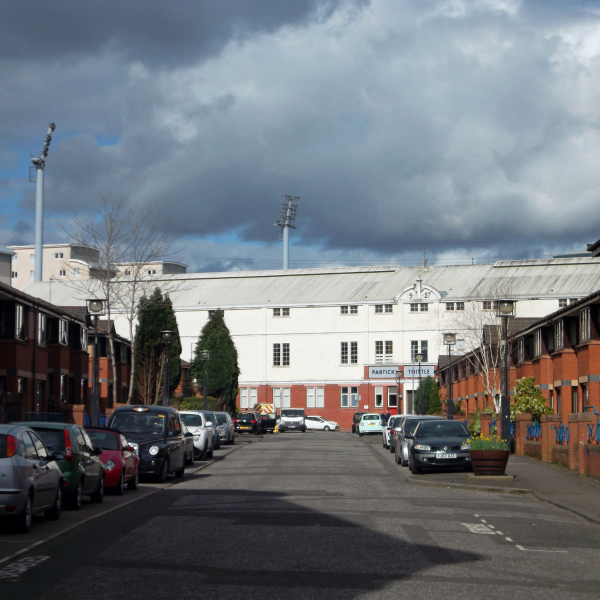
(419, 357)
(398, 401)
(205, 356)
(505, 309)
(167, 336)
(95, 307)
(449, 340)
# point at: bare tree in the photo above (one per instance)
(481, 329)
(122, 240)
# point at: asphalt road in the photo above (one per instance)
(316, 515)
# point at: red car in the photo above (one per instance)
(119, 457)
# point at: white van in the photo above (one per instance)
(292, 419)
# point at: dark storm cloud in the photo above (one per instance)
(149, 31)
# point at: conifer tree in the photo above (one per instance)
(222, 369)
(435, 402)
(157, 315)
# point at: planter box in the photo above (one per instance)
(489, 462)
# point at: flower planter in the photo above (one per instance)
(489, 462)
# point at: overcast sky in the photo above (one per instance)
(468, 127)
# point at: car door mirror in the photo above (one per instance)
(175, 433)
(97, 451)
(57, 456)
(188, 434)
(130, 448)
(209, 423)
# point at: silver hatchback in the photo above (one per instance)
(30, 480)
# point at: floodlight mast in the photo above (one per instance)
(39, 163)
(287, 221)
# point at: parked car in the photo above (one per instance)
(292, 419)
(82, 469)
(119, 458)
(196, 421)
(317, 423)
(390, 430)
(439, 444)
(31, 481)
(211, 418)
(268, 422)
(247, 422)
(355, 419)
(157, 435)
(188, 436)
(370, 423)
(407, 427)
(226, 428)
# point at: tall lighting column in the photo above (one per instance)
(205, 357)
(419, 357)
(449, 340)
(166, 336)
(95, 307)
(505, 309)
(398, 401)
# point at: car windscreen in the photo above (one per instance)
(292, 413)
(221, 419)
(410, 425)
(371, 418)
(394, 422)
(191, 420)
(54, 439)
(245, 416)
(147, 423)
(105, 439)
(441, 429)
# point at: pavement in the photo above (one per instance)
(314, 516)
(548, 482)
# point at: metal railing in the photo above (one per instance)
(49, 417)
(534, 432)
(513, 429)
(102, 420)
(562, 435)
(593, 430)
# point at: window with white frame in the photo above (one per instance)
(127, 271)
(378, 352)
(14, 274)
(584, 325)
(389, 351)
(252, 397)
(389, 308)
(344, 353)
(349, 353)
(562, 302)
(41, 329)
(276, 312)
(62, 272)
(379, 308)
(416, 347)
(315, 397)
(379, 397)
(354, 310)
(349, 396)
(344, 310)
(424, 307)
(414, 307)
(380, 356)
(353, 353)
(537, 342)
(276, 355)
(243, 398)
(488, 305)
(151, 271)
(521, 350)
(348, 310)
(559, 335)
(58, 255)
(20, 322)
(76, 272)
(449, 305)
(84, 339)
(281, 397)
(384, 308)
(392, 399)
(285, 355)
(460, 306)
(63, 332)
(281, 312)
(572, 300)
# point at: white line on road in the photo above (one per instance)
(538, 549)
(508, 539)
(21, 566)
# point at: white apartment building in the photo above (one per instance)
(337, 341)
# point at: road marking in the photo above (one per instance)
(478, 528)
(508, 539)
(499, 532)
(21, 566)
(538, 549)
(483, 521)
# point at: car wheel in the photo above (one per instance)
(327, 428)
(54, 512)
(396, 459)
(191, 460)
(411, 465)
(76, 500)
(180, 472)
(120, 489)
(391, 448)
(25, 518)
(98, 495)
(218, 444)
(210, 453)
(164, 470)
(233, 439)
(132, 484)
(203, 453)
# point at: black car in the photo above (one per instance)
(157, 434)
(268, 422)
(355, 419)
(404, 433)
(247, 422)
(436, 444)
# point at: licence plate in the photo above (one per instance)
(292, 426)
(244, 427)
(440, 455)
(371, 424)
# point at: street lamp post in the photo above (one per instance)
(205, 356)
(419, 357)
(505, 309)
(95, 306)
(167, 336)
(398, 401)
(449, 340)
